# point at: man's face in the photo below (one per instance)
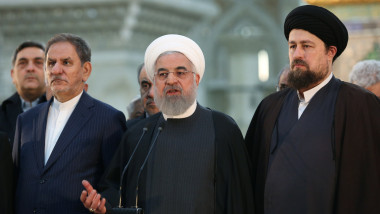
(137, 109)
(283, 82)
(177, 92)
(28, 74)
(310, 61)
(375, 88)
(65, 74)
(147, 93)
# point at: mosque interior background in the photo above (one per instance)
(242, 41)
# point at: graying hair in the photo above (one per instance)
(81, 46)
(365, 73)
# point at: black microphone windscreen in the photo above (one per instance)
(147, 125)
(162, 125)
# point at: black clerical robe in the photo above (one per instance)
(228, 176)
(356, 147)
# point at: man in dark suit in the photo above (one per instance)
(28, 77)
(6, 175)
(70, 138)
(147, 96)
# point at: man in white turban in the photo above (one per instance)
(187, 159)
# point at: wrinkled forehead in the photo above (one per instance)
(173, 58)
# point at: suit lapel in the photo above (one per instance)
(39, 145)
(77, 120)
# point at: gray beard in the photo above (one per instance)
(178, 104)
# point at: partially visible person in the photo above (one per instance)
(315, 147)
(6, 175)
(135, 108)
(196, 161)
(366, 74)
(282, 82)
(70, 138)
(28, 78)
(147, 96)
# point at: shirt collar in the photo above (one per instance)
(311, 92)
(68, 104)
(190, 111)
(27, 105)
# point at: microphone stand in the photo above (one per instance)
(120, 209)
(135, 209)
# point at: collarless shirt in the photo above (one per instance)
(304, 102)
(59, 114)
(28, 105)
(190, 111)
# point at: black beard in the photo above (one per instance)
(300, 79)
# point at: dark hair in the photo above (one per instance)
(139, 72)
(26, 44)
(81, 46)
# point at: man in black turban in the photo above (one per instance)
(315, 147)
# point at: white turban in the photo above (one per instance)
(173, 42)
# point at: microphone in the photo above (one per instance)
(160, 128)
(145, 129)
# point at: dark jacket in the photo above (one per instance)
(6, 175)
(83, 150)
(9, 110)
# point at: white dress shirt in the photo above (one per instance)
(304, 102)
(59, 114)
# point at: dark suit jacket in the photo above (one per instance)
(9, 111)
(6, 175)
(83, 150)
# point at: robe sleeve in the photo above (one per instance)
(110, 182)
(233, 184)
(357, 134)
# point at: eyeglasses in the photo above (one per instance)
(281, 87)
(163, 75)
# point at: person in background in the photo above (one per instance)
(28, 78)
(70, 138)
(366, 74)
(282, 82)
(147, 96)
(315, 147)
(135, 109)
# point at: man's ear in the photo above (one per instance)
(87, 68)
(13, 75)
(331, 52)
(197, 79)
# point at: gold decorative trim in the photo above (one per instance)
(339, 2)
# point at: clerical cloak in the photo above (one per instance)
(198, 164)
(356, 135)
(301, 169)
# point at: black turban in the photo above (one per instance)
(320, 22)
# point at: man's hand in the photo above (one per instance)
(91, 200)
